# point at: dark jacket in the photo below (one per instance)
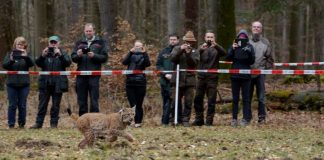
(164, 63)
(209, 59)
(186, 61)
(57, 63)
(242, 58)
(85, 63)
(136, 61)
(20, 64)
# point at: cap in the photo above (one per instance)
(54, 38)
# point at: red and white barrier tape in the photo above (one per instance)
(288, 64)
(258, 71)
(91, 73)
(125, 72)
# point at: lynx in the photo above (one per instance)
(109, 126)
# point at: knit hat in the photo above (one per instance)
(189, 36)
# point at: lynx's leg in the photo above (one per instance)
(83, 143)
(89, 138)
(127, 136)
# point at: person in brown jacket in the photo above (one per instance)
(210, 52)
(187, 57)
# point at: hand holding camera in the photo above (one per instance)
(17, 54)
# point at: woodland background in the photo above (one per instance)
(295, 29)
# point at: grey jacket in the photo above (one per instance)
(263, 54)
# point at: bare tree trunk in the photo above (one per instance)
(301, 33)
(212, 14)
(226, 22)
(318, 24)
(41, 27)
(293, 37)
(173, 16)
(191, 16)
(108, 13)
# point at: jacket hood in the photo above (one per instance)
(243, 31)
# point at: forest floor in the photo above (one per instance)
(286, 135)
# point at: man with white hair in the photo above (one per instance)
(263, 60)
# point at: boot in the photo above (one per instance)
(199, 119)
(209, 119)
(36, 126)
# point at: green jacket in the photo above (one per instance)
(164, 64)
(57, 63)
(21, 64)
(186, 61)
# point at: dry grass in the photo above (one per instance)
(282, 138)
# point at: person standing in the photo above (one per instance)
(242, 55)
(187, 57)
(89, 53)
(164, 63)
(263, 60)
(136, 59)
(17, 85)
(210, 52)
(53, 58)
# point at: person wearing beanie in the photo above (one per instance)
(242, 55)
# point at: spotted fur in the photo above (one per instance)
(111, 126)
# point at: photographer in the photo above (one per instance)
(17, 85)
(53, 58)
(242, 55)
(89, 53)
(136, 59)
(210, 52)
(187, 57)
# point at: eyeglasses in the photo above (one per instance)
(53, 42)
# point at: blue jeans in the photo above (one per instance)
(17, 97)
(166, 97)
(239, 84)
(258, 82)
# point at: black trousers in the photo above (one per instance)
(184, 111)
(44, 97)
(243, 86)
(206, 86)
(87, 85)
(135, 96)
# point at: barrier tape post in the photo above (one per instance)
(177, 96)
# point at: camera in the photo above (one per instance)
(209, 43)
(85, 50)
(138, 50)
(50, 52)
(242, 42)
(16, 54)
